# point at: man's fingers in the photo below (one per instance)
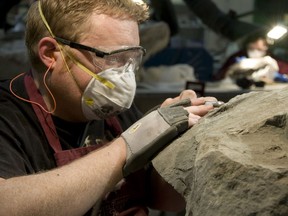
(183, 95)
(200, 110)
(202, 100)
(210, 99)
(214, 103)
(169, 101)
(193, 119)
(187, 94)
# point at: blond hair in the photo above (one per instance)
(69, 18)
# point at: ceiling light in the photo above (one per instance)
(138, 1)
(277, 32)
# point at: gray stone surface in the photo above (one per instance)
(235, 161)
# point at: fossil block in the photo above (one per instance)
(235, 160)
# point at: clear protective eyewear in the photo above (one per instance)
(114, 59)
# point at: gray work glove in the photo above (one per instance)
(152, 133)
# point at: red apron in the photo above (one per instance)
(129, 199)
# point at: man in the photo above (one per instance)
(252, 61)
(64, 136)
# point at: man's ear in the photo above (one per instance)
(47, 47)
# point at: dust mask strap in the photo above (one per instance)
(85, 69)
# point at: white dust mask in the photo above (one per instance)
(255, 53)
(109, 92)
(100, 102)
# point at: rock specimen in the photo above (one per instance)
(235, 161)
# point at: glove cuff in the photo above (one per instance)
(148, 136)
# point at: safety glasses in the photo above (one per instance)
(113, 59)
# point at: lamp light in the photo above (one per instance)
(138, 2)
(277, 32)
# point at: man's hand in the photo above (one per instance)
(198, 108)
(148, 136)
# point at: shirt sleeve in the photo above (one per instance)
(13, 160)
(24, 148)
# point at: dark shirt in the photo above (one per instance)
(24, 148)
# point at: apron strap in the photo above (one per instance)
(115, 125)
(44, 118)
(46, 121)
